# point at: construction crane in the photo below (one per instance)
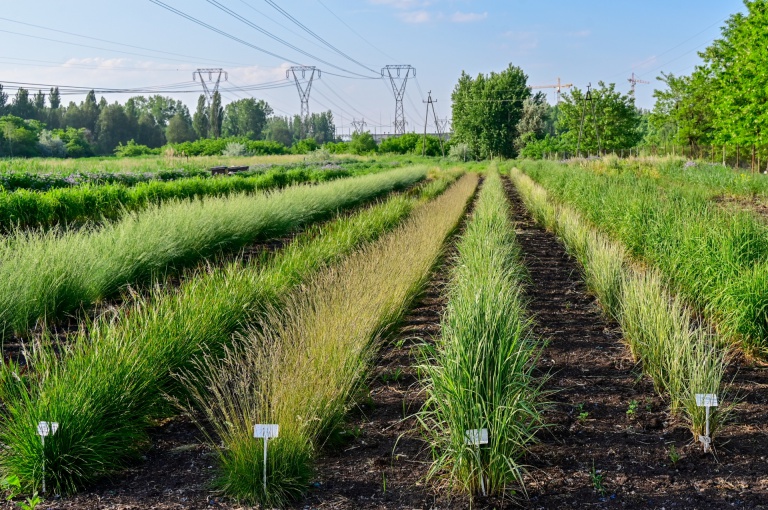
(634, 80)
(558, 86)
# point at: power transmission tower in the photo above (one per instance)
(398, 79)
(218, 73)
(431, 103)
(558, 87)
(634, 80)
(443, 123)
(588, 97)
(358, 125)
(304, 86)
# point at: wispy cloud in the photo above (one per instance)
(580, 33)
(402, 4)
(468, 17)
(415, 16)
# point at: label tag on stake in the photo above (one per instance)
(476, 436)
(266, 431)
(47, 428)
(706, 400)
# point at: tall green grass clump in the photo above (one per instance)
(480, 372)
(109, 384)
(25, 209)
(44, 276)
(300, 367)
(682, 356)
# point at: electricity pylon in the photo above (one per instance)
(359, 126)
(588, 97)
(395, 75)
(304, 89)
(209, 92)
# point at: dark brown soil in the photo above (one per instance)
(610, 440)
(752, 203)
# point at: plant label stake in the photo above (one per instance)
(266, 432)
(706, 400)
(476, 437)
(46, 428)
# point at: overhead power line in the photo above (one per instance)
(313, 34)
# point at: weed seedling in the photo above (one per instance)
(597, 480)
(674, 455)
(582, 413)
(393, 376)
(632, 410)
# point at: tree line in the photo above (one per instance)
(40, 125)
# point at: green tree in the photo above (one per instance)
(362, 143)
(487, 109)
(615, 114)
(200, 121)
(246, 118)
(3, 102)
(148, 132)
(180, 129)
(54, 97)
(22, 106)
(279, 130)
(533, 121)
(19, 136)
(216, 116)
(114, 126)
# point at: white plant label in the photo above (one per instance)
(706, 400)
(266, 431)
(47, 428)
(476, 436)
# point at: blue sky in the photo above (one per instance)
(580, 42)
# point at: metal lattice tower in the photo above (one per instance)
(303, 85)
(398, 79)
(218, 73)
(358, 125)
(431, 102)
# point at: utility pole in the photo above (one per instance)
(304, 86)
(398, 76)
(558, 87)
(429, 102)
(359, 126)
(588, 97)
(634, 80)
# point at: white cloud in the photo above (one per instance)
(415, 16)
(580, 33)
(467, 17)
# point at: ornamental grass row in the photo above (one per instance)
(109, 383)
(45, 276)
(78, 206)
(715, 258)
(682, 355)
(300, 366)
(479, 375)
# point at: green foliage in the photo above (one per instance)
(304, 146)
(479, 374)
(362, 143)
(133, 149)
(246, 118)
(615, 114)
(234, 149)
(18, 137)
(403, 144)
(50, 145)
(487, 110)
(538, 149)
